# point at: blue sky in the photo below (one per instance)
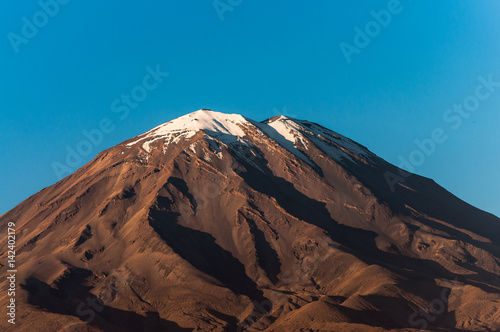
(262, 59)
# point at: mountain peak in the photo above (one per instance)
(229, 129)
(202, 119)
(211, 122)
(277, 118)
(211, 215)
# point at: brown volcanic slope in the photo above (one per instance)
(275, 226)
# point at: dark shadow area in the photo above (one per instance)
(427, 197)
(86, 234)
(358, 242)
(182, 187)
(267, 257)
(231, 321)
(289, 146)
(201, 250)
(431, 199)
(480, 279)
(72, 297)
(457, 234)
(309, 210)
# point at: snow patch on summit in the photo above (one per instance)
(224, 127)
(213, 123)
(285, 135)
(288, 132)
(296, 136)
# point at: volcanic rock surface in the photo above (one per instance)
(215, 222)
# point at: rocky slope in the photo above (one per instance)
(215, 222)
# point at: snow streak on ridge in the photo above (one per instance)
(229, 129)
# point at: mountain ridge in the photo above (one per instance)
(188, 228)
(210, 122)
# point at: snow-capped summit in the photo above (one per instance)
(207, 218)
(213, 123)
(291, 134)
(203, 119)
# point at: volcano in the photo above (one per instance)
(216, 222)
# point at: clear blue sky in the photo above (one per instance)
(262, 58)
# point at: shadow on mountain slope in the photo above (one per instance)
(201, 250)
(73, 298)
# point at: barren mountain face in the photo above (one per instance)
(215, 222)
